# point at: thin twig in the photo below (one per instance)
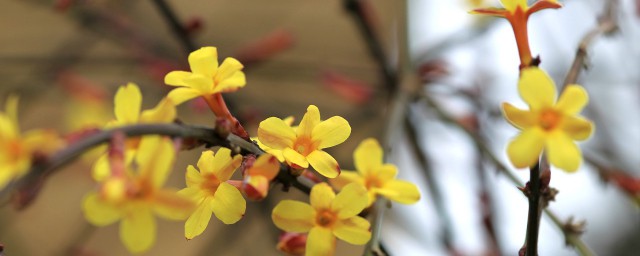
(176, 26)
(533, 217)
(572, 239)
(606, 24)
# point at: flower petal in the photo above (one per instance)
(536, 88)
(199, 219)
(511, 5)
(98, 212)
(200, 83)
(293, 157)
(563, 152)
(228, 204)
(331, 132)
(351, 200)
(138, 230)
(275, 133)
(266, 165)
(164, 112)
(127, 104)
(206, 160)
(521, 119)
(577, 128)
(321, 196)
(324, 163)
(223, 166)
(367, 155)
(320, 242)
(193, 177)
(499, 12)
(572, 100)
(400, 191)
(309, 121)
(525, 149)
(354, 230)
(345, 178)
(155, 158)
(232, 83)
(293, 216)
(176, 78)
(171, 205)
(204, 61)
(182, 94)
(229, 68)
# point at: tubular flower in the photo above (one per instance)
(258, 176)
(517, 12)
(329, 216)
(17, 150)
(134, 197)
(211, 191)
(376, 176)
(303, 145)
(206, 77)
(128, 101)
(547, 124)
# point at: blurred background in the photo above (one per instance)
(393, 69)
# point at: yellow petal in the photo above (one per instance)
(10, 125)
(345, 178)
(228, 204)
(127, 104)
(204, 61)
(386, 172)
(324, 163)
(367, 155)
(331, 132)
(176, 78)
(309, 121)
(521, 119)
(525, 149)
(155, 158)
(511, 5)
(199, 219)
(536, 88)
(266, 165)
(350, 201)
(293, 157)
(232, 83)
(572, 100)
(170, 205)
(255, 187)
(320, 242)
(164, 112)
(321, 196)
(8, 128)
(577, 128)
(207, 159)
(354, 230)
(98, 212)
(275, 133)
(200, 83)
(46, 141)
(182, 94)
(400, 191)
(101, 169)
(293, 216)
(138, 230)
(224, 165)
(193, 177)
(229, 68)
(196, 194)
(563, 152)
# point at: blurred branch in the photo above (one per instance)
(176, 26)
(606, 24)
(572, 238)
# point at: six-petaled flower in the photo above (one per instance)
(547, 125)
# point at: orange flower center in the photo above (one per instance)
(372, 181)
(304, 146)
(549, 119)
(326, 218)
(210, 183)
(14, 149)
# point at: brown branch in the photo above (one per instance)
(606, 24)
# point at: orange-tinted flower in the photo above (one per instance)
(258, 177)
(517, 12)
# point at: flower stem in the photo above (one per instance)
(533, 222)
(219, 107)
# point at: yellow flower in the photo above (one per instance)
(517, 12)
(303, 145)
(128, 101)
(206, 77)
(257, 178)
(16, 149)
(549, 125)
(376, 176)
(329, 216)
(209, 189)
(134, 197)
